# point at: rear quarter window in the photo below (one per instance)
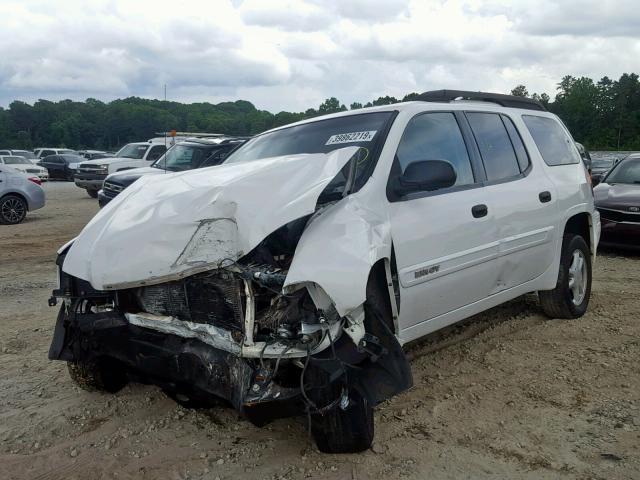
(554, 145)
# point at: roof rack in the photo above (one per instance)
(510, 101)
(173, 133)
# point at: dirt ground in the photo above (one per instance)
(509, 394)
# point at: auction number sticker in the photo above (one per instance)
(352, 137)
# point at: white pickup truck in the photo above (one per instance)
(92, 173)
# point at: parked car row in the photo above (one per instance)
(189, 154)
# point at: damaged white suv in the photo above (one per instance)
(287, 279)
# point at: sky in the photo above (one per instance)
(291, 55)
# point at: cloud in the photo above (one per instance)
(291, 55)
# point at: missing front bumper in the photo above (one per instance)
(186, 365)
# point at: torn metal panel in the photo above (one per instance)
(223, 340)
(338, 249)
(176, 219)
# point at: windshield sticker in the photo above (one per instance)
(352, 137)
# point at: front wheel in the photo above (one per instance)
(570, 298)
(345, 428)
(102, 374)
(13, 209)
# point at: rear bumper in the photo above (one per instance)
(36, 198)
(185, 365)
(92, 181)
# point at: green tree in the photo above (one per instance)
(331, 105)
(520, 91)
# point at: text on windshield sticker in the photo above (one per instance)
(352, 137)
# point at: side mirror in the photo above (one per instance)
(426, 175)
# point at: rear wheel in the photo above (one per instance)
(13, 209)
(570, 298)
(102, 374)
(92, 193)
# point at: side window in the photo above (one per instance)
(47, 152)
(555, 146)
(435, 136)
(495, 146)
(156, 152)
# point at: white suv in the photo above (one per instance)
(287, 279)
(91, 173)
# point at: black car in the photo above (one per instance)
(187, 155)
(61, 166)
(617, 199)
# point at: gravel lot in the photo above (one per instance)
(509, 394)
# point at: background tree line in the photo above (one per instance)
(603, 115)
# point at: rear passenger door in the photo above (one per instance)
(522, 196)
(445, 241)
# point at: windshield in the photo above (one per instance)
(626, 172)
(25, 154)
(16, 161)
(602, 163)
(365, 130)
(322, 136)
(182, 157)
(132, 150)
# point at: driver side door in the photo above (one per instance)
(445, 240)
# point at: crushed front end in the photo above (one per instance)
(230, 333)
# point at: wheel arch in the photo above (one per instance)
(582, 223)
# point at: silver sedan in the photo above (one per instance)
(19, 193)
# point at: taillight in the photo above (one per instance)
(35, 180)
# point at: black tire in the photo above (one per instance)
(339, 430)
(350, 430)
(102, 374)
(560, 302)
(69, 177)
(13, 209)
(92, 193)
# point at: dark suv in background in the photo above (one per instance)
(62, 166)
(187, 155)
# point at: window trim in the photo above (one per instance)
(524, 145)
(512, 178)
(477, 168)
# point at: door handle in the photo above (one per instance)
(544, 197)
(479, 210)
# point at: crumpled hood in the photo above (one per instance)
(165, 227)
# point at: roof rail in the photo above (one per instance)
(510, 101)
(173, 133)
